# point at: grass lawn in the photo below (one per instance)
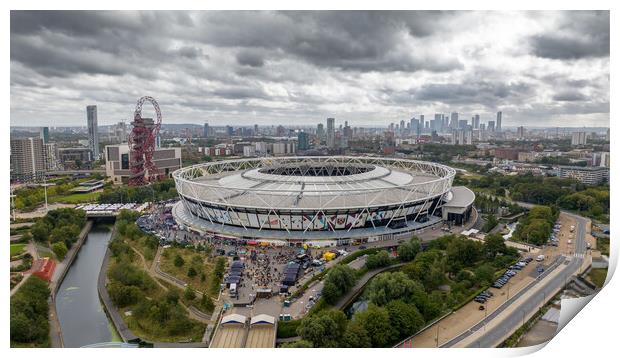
(17, 249)
(76, 198)
(598, 276)
(602, 245)
(200, 261)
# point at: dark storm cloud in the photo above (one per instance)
(240, 93)
(569, 96)
(305, 64)
(582, 34)
(250, 58)
(358, 41)
(482, 92)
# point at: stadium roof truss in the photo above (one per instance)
(304, 193)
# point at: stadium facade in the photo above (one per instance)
(318, 200)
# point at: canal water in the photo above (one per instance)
(82, 318)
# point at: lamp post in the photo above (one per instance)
(12, 203)
(45, 185)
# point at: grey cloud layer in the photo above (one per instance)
(256, 67)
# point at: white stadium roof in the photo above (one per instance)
(380, 181)
(234, 318)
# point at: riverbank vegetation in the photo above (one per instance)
(144, 243)
(59, 229)
(29, 314)
(399, 303)
(152, 311)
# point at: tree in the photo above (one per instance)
(484, 274)
(380, 259)
(355, 337)
(320, 329)
(40, 231)
(389, 286)
(408, 250)
(189, 294)
(26, 237)
(29, 312)
(191, 272)
(60, 250)
(339, 280)
(206, 302)
(330, 292)
(178, 261)
(298, 344)
(405, 319)
(376, 321)
(494, 244)
(123, 296)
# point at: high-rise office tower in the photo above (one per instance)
(205, 131)
(476, 121)
(303, 141)
(439, 122)
(521, 132)
(320, 131)
(93, 132)
(498, 122)
(454, 120)
(491, 126)
(44, 133)
(331, 133)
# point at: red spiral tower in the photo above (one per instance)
(142, 142)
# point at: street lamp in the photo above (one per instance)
(45, 185)
(12, 203)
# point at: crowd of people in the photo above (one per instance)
(265, 265)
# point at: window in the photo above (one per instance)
(124, 161)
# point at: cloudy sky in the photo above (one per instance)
(370, 68)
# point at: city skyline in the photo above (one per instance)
(546, 68)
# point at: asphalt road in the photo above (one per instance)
(516, 318)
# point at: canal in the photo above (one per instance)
(82, 318)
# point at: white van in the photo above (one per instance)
(233, 289)
(540, 258)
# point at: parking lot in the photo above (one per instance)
(470, 314)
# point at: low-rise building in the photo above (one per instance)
(74, 157)
(117, 159)
(586, 175)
